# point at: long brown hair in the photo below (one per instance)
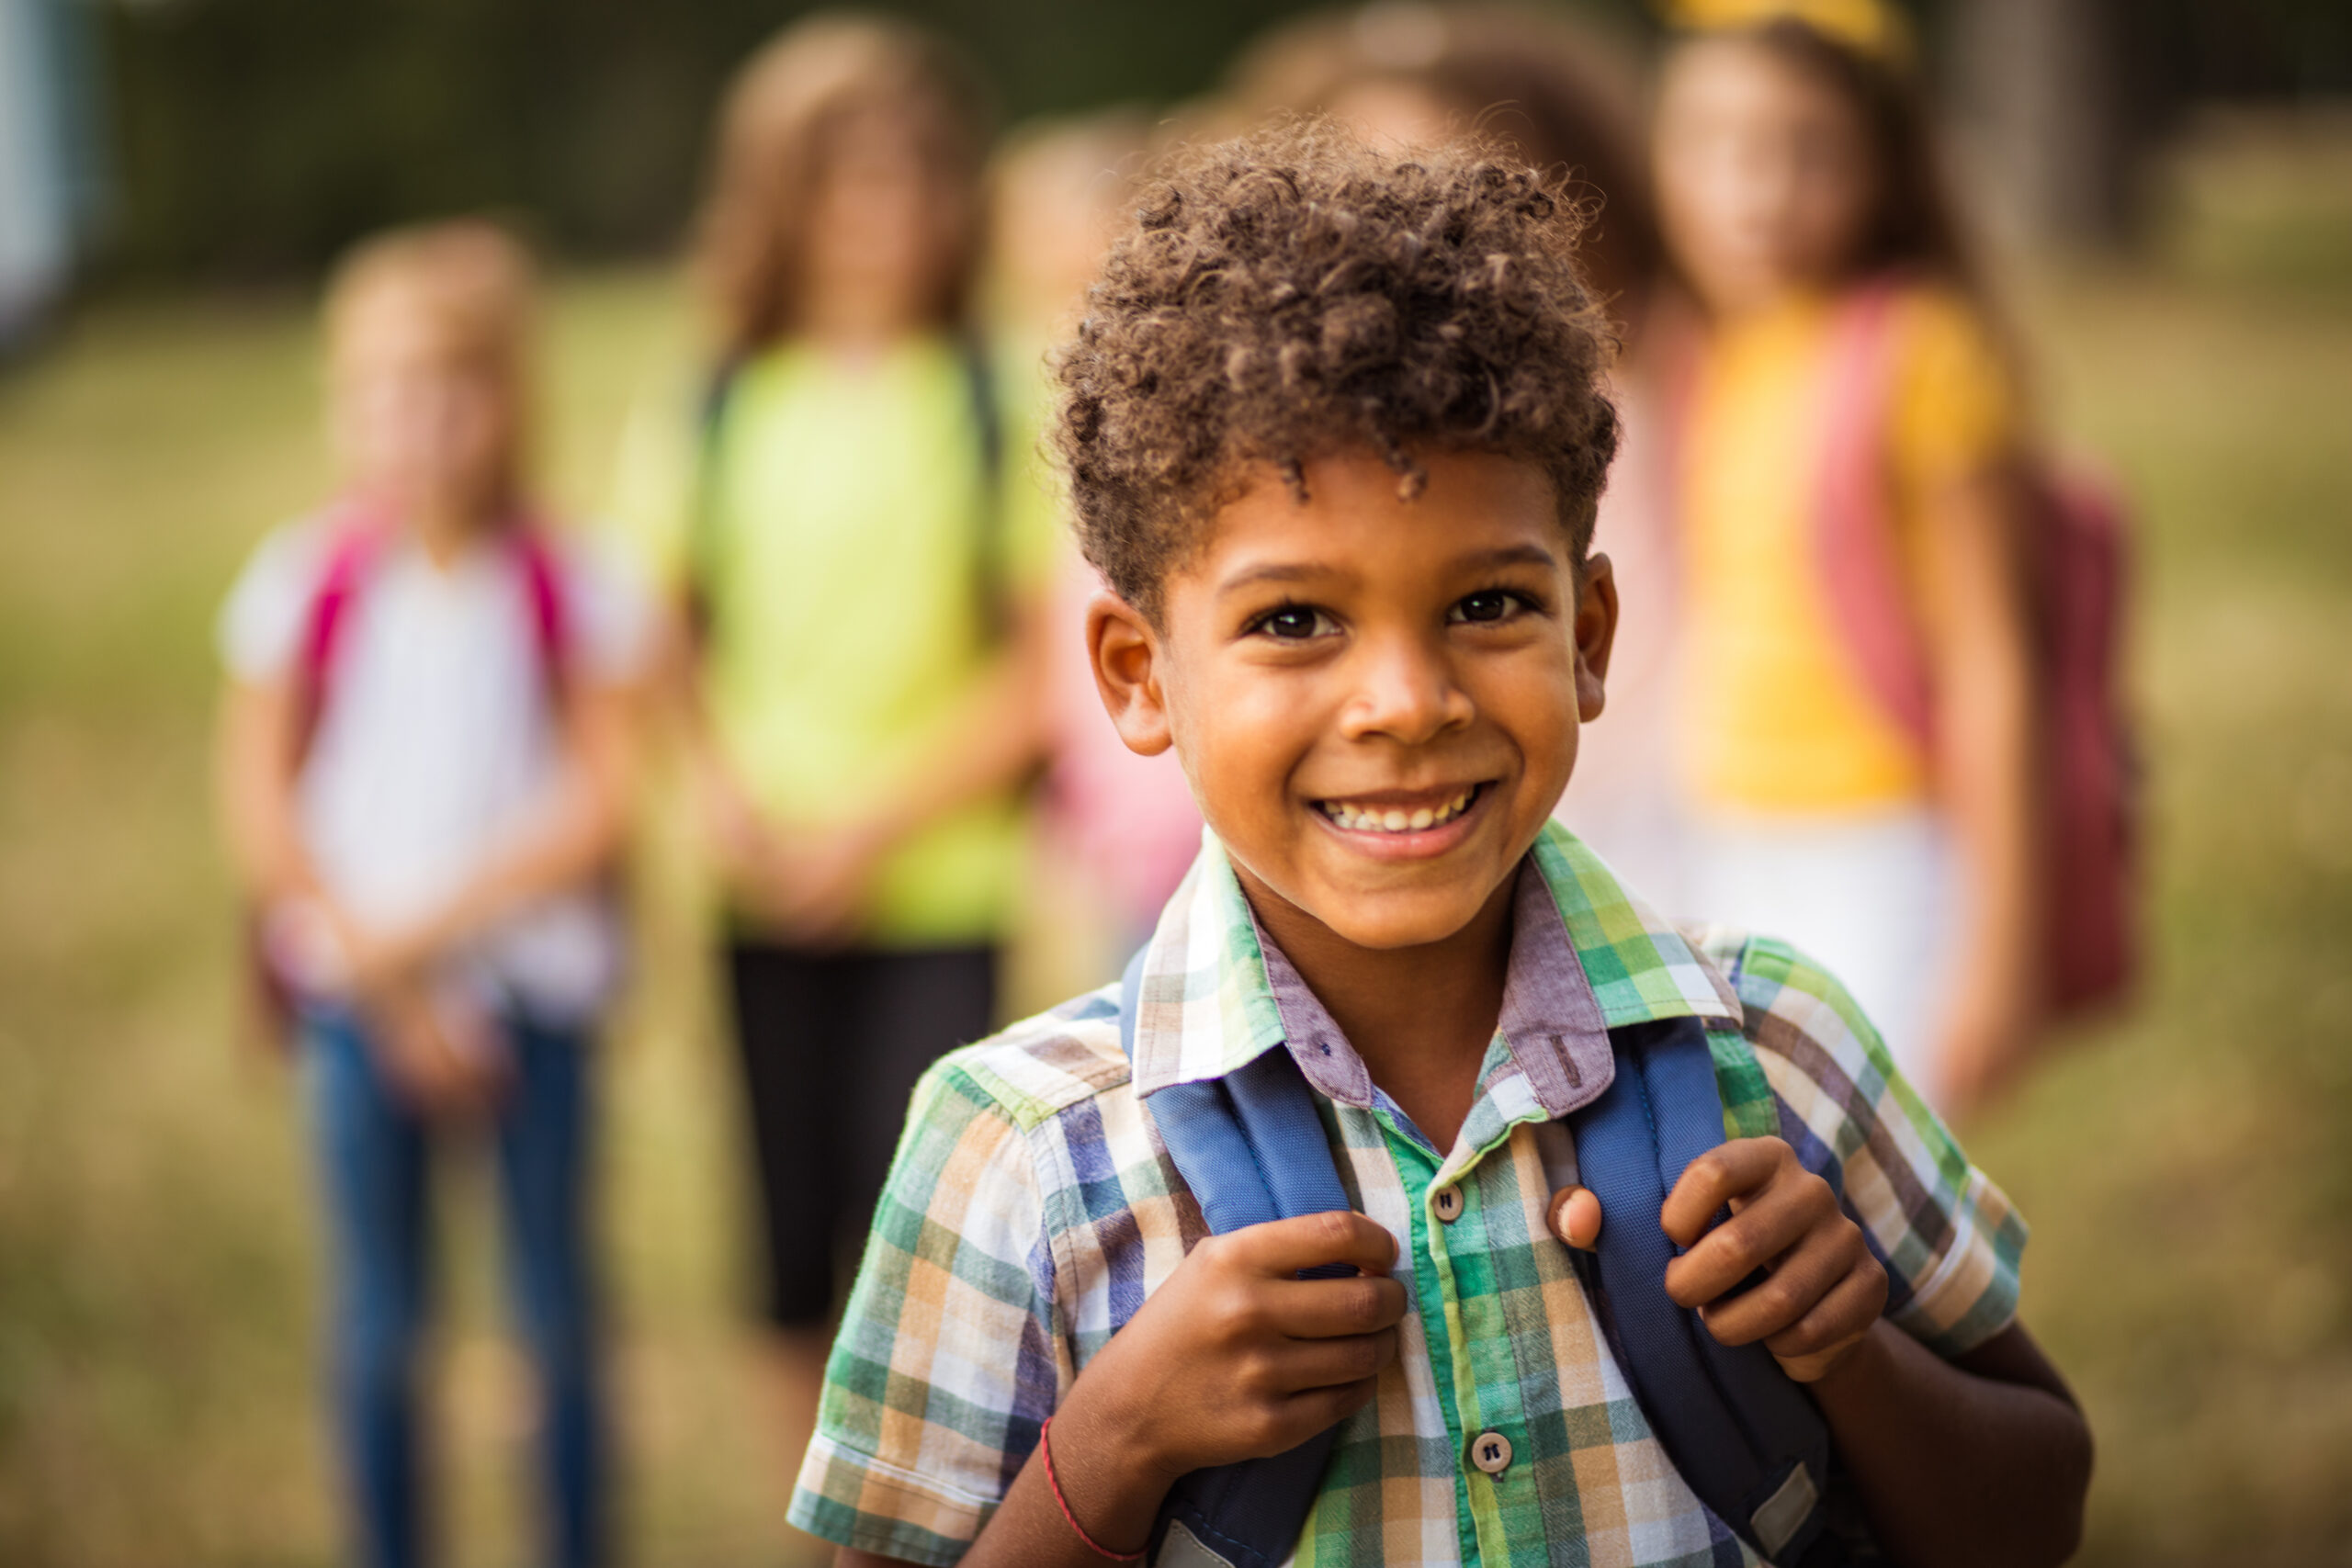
(777, 127)
(1915, 223)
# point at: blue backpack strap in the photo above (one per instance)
(1751, 1444)
(1252, 1148)
(1749, 1440)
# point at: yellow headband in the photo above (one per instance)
(1871, 28)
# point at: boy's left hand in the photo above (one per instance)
(1822, 1289)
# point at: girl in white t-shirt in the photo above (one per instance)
(426, 774)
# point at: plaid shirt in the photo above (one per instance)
(1032, 1208)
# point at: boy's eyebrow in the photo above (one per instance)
(1511, 555)
(1277, 571)
(1308, 571)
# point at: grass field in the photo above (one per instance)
(2188, 1171)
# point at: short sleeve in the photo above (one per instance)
(260, 625)
(614, 615)
(1950, 1240)
(1955, 411)
(945, 1366)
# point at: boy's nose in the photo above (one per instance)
(1404, 692)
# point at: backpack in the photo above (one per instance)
(353, 547)
(2078, 547)
(987, 423)
(1252, 1148)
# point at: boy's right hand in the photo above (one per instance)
(1235, 1357)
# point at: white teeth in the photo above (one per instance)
(1369, 820)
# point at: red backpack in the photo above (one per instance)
(354, 546)
(2076, 556)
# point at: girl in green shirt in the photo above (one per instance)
(857, 643)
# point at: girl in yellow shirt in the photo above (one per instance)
(1798, 193)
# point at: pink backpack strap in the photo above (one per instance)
(1856, 548)
(351, 551)
(542, 572)
(352, 548)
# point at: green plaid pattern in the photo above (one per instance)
(1030, 1206)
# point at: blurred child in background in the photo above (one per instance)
(1563, 91)
(1117, 830)
(858, 682)
(1568, 94)
(1847, 365)
(425, 766)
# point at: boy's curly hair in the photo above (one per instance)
(1294, 292)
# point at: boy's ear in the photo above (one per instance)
(1126, 655)
(1596, 632)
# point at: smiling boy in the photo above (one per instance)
(1335, 430)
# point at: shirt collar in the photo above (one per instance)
(1586, 957)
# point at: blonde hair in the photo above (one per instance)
(779, 116)
(475, 286)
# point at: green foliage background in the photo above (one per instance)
(255, 138)
(258, 135)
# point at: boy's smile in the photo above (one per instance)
(1375, 699)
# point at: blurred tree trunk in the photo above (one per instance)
(2042, 84)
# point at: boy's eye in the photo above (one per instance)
(1487, 604)
(1293, 622)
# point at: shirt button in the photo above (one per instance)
(1447, 1201)
(1490, 1451)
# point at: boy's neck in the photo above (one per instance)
(1420, 1017)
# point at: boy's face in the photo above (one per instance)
(1376, 700)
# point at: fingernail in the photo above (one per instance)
(1565, 1206)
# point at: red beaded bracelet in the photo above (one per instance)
(1045, 1448)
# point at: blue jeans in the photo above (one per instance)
(373, 1153)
